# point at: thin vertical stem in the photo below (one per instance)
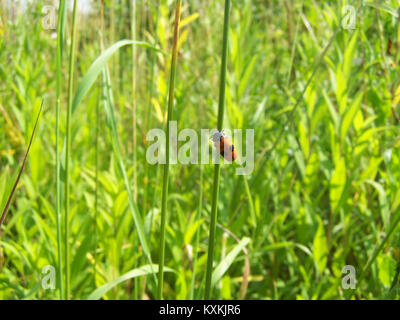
(101, 100)
(148, 118)
(196, 245)
(60, 42)
(96, 193)
(133, 35)
(134, 129)
(221, 106)
(166, 166)
(10, 197)
(112, 4)
(68, 147)
(148, 115)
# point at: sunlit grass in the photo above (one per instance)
(62, 12)
(324, 193)
(171, 93)
(221, 107)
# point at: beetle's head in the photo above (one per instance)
(216, 137)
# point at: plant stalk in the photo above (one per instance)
(196, 246)
(62, 11)
(68, 147)
(221, 106)
(166, 166)
(134, 61)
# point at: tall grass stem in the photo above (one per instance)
(68, 148)
(221, 106)
(4, 214)
(166, 166)
(134, 61)
(62, 12)
(197, 241)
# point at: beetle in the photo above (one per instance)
(224, 145)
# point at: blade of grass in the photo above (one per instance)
(96, 192)
(102, 99)
(196, 245)
(68, 148)
(148, 115)
(166, 165)
(246, 269)
(224, 265)
(62, 12)
(396, 276)
(100, 65)
(112, 124)
(91, 75)
(134, 129)
(137, 272)
(134, 60)
(293, 50)
(221, 106)
(375, 254)
(3, 215)
(263, 158)
(148, 124)
(83, 88)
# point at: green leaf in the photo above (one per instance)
(224, 265)
(298, 154)
(320, 251)
(349, 117)
(141, 271)
(337, 184)
(341, 90)
(226, 291)
(112, 125)
(99, 65)
(348, 56)
(14, 188)
(331, 108)
(383, 7)
(386, 267)
(247, 76)
(80, 255)
(95, 69)
(383, 202)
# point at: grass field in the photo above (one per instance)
(91, 218)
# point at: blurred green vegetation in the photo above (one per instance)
(325, 191)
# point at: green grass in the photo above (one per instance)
(171, 93)
(62, 12)
(324, 193)
(217, 166)
(15, 184)
(68, 150)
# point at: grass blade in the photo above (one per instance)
(134, 129)
(224, 265)
(221, 106)
(166, 166)
(196, 246)
(374, 255)
(138, 272)
(62, 12)
(68, 148)
(83, 88)
(112, 124)
(3, 215)
(97, 66)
